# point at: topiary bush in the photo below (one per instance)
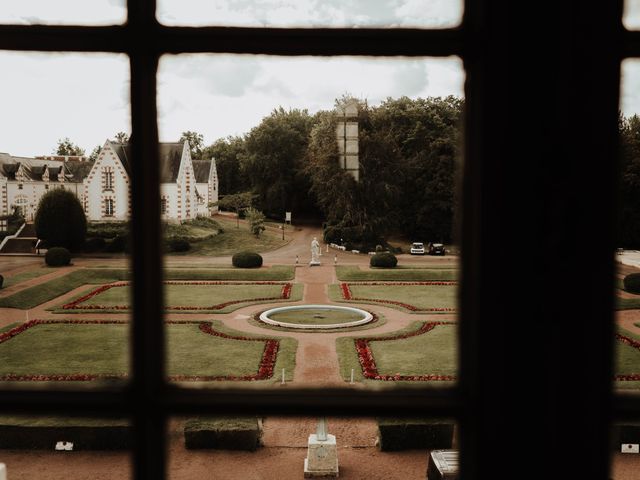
(178, 244)
(57, 257)
(383, 260)
(632, 283)
(246, 260)
(60, 220)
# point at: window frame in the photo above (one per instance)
(493, 45)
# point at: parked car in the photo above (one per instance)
(417, 248)
(436, 249)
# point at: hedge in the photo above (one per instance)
(246, 260)
(632, 283)
(222, 433)
(57, 257)
(84, 437)
(624, 434)
(413, 433)
(383, 260)
(178, 244)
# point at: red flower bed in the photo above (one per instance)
(632, 343)
(348, 295)
(265, 368)
(76, 304)
(368, 363)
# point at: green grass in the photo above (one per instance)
(221, 423)
(431, 353)
(627, 303)
(234, 240)
(6, 328)
(316, 316)
(420, 296)
(48, 421)
(104, 349)
(26, 275)
(197, 296)
(38, 294)
(355, 274)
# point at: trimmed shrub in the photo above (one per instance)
(632, 283)
(95, 244)
(412, 433)
(1, 280)
(118, 245)
(383, 260)
(246, 260)
(84, 437)
(224, 433)
(178, 244)
(60, 220)
(57, 257)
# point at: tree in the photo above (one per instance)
(235, 202)
(196, 143)
(256, 221)
(94, 153)
(228, 154)
(66, 147)
(121, 137)
(60, 220)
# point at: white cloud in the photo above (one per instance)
(50, 96)
(192, 102)
(311, 13)
(63, 12)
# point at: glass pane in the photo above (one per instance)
(299, 189)
(631, 17)
(312, 13)
(63, 12)
(63, 220)
(59, 447)
(286, 448)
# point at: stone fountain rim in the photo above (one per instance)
(264, 317)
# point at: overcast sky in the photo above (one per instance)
(85, 97)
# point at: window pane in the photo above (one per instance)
(312, 13)
(59, 447)
(64, 227)
(63, 12)
(298, 183)
(277, 447)
(631, 18)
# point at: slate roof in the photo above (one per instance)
(35, 168)
(170, 156)
(201, 169)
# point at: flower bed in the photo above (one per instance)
(634, 344)
(264, 372)
(348, 295)
(285, 294)
(368, 363)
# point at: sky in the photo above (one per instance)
(46, 97)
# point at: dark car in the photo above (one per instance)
(436, 249)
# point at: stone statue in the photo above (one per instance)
(315, 252)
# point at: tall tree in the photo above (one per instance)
(228, 154)
(629, 191)
(121, 137)
(275, 157)
(95, 152)
(60, 220)
(67, 147)
(196, 143)
(236, 202)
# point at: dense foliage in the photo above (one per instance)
(57, 257)
(60, 220)
(383, 260)
(246, 260)
(629, 191)
(632, 283)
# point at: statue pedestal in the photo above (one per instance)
(314, 263)
(322, 458)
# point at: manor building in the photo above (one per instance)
(103, 186)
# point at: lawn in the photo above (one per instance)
(419, 298)
(38, 294)
(355, 274)
(184, 297)
(102, 350)
(26, 275)
(234, 240)
(431, 353)
(627, 360)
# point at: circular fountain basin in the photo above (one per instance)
(316, 317)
